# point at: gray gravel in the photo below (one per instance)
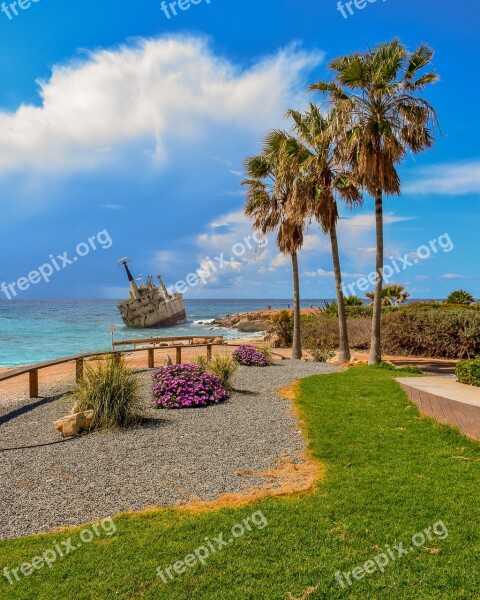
(48, 482)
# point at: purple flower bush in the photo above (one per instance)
(186, 386)
(250, 356)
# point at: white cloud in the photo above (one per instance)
(165, 256)
(280, 260)
(450, 179)
(324, 273)
(356, 237)
(455, 276)
(149, 93)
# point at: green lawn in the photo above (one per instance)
(389, 475)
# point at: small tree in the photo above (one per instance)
(392, 295)
(460, 297)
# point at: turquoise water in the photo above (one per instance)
(36, 331)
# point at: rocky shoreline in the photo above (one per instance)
(253, 322)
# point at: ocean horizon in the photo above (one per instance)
(33, 331)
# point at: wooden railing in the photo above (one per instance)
(157, 342)
(33, 370)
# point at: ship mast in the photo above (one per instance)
(163, 287)
(134, 291)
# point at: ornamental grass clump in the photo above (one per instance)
(249, 356)
(112, 391)
(221, 365)
(186, 386)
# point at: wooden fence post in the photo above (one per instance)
(151, 358)
(79, 370)
(33, 377)
(209, 352)
(179, 355)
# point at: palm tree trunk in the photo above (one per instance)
(375, 345)
(344, 350)
(297, 341)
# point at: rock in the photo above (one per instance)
(252, 326)
(88, 416)
(74, 424)
(218, 340)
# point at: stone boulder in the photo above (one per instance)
(74, 424)
(252, 326)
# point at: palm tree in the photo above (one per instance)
(392, 295)
(272, 175)
(315, 192)
(379, 119)
(460, 297)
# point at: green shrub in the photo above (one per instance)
(367, 311)
(221, 365)
(468, 371)
(281, 325)
(112, 391)
(406, 369)
(426, 331)
(320, 337)
(353, 301)
(460, 297)
(329, 309)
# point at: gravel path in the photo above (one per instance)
(48, 482)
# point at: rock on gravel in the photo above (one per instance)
(48, 482)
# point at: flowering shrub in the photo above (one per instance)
(250, 356)
(186, 386)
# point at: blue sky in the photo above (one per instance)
(115, 117)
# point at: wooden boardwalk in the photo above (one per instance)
(446, 401)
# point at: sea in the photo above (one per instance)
(40, 330)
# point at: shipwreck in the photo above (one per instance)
(150, 305)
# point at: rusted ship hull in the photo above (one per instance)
(152, 314)
(150, 306)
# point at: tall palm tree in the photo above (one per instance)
(271, 178)
(379, 119)
(315, 192)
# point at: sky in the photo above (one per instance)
(127, 125)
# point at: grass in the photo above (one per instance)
(389, 475)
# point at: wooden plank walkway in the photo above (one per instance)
(446, 401)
